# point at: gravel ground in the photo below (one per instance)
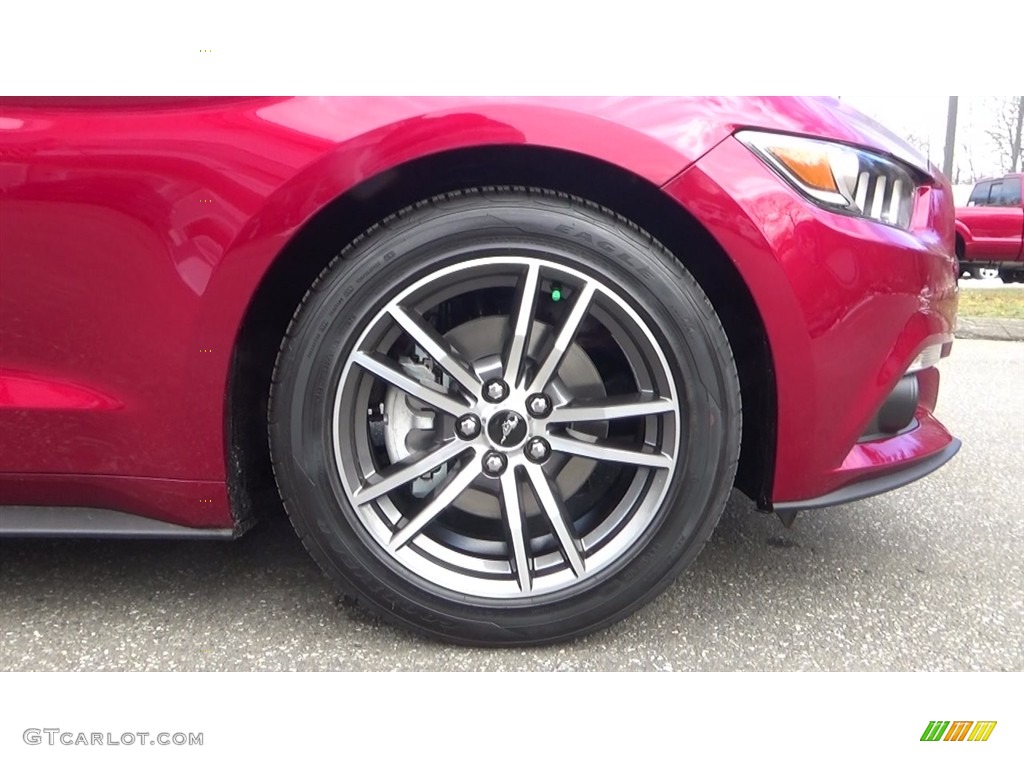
(928, 577)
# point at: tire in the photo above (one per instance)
(521, 521)
(985, 273)
(1011, 276)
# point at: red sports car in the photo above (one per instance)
(502, 360)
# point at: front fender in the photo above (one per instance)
(333, 158)
(964, 233)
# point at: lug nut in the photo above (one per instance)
(539, 405)
(538, 450)
(468, 426)
(495, 390)
(494, 463)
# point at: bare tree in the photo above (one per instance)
(922, 145)
(968, 175)
(1006, 131)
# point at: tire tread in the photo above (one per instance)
(408, 218)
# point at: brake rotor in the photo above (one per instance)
(410, 427)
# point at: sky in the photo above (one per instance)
(924, 117)
(201, 48)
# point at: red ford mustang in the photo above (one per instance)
(502, 360)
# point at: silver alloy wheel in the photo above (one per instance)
(578, 487)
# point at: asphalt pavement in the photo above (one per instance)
(928, 577)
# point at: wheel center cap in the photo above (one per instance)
(507, 429)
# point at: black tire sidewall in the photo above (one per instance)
(357, 285)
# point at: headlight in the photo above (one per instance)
(840, 177)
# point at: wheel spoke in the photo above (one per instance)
(437, 506)
(613, 408)
(551, 503)
(443, 496)
(386, 368)
(437, 347)
(564, 339)
(603, 452)
(520, 323)
(405, 471)
(516, 523)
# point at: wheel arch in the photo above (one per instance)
(963, 237)
(250, 479)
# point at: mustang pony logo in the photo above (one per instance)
(511, 422)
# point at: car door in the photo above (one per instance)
(996, 219)
(1011, 211)
(972, 216)
(112, 220)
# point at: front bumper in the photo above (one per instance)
(917, 445)
(875, 482)
(848, 305)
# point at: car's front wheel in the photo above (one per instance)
(505, 417)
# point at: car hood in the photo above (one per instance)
(822, 117)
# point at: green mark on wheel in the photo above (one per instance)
(556, 294)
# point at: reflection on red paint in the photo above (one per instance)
(24, 390)
(135, 232)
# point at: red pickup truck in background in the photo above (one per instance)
(990, 229)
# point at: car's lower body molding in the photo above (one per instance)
(87, 522)
(872, 486)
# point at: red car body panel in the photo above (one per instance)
(134, 234)
(992, 233)
(837, 294)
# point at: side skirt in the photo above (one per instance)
(86, 522)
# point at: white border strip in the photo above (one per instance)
(515, 719)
